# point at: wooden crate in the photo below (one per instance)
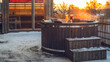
(88, 55)
(76, 43)
(75, 49)
(77, 56)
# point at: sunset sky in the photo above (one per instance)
(78, 3)
(0, 1)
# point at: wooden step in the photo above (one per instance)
(76, 43)
(85, 54)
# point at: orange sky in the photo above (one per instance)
(0, 1)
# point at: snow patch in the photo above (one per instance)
(88, 38)
(88, 49)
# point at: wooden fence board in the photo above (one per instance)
(104, 32)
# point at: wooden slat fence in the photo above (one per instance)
(104, 31)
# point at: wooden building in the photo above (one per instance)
(20, 15)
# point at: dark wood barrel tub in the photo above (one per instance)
(54, 34)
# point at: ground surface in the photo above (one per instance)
(25, 47)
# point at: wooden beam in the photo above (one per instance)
(7, 4)
(49, 9)
(5, 16)
(33, 14)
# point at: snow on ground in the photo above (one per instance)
(88, 49)
(17, 46)
(17, 42)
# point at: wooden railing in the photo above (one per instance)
(25, 8)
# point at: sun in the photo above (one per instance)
(78, 3)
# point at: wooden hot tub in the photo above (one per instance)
(54, 34)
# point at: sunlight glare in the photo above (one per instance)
(103, 2)
(78, 3)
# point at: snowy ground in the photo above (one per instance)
(18, 48)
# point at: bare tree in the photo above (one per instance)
(73, 9)
(92, 6)
(106, 10)
(61, 10)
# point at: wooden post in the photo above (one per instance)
(33, 14)
(49, 9)
(19, 22)
(7, 4)
(5, 16)
(44, 1)
(0, 23)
